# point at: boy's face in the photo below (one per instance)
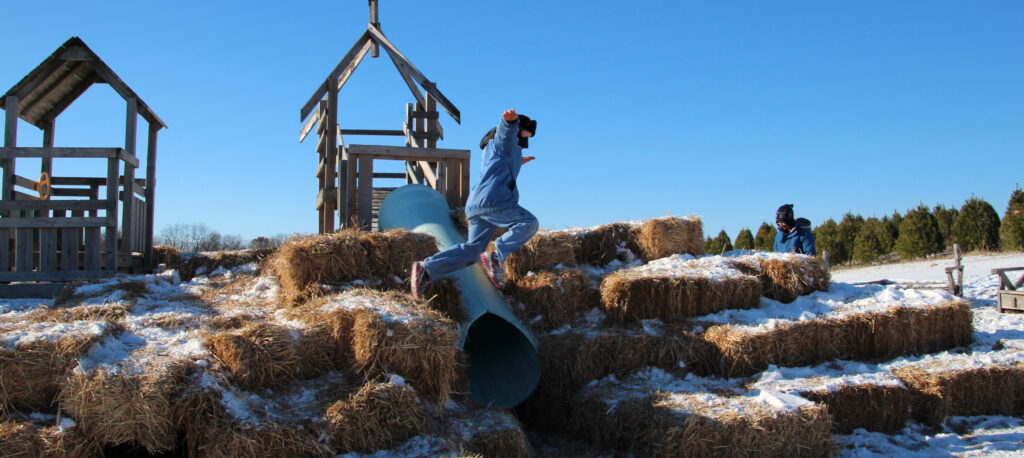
(525, 133)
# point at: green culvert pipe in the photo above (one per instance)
(502, 363)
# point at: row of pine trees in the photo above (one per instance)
(919, 232)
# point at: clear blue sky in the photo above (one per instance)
(721, 109)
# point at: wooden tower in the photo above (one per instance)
(61, 229)
(345, 172)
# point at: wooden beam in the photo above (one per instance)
(408, 153)
(309, 126)
(7, 152)
(7, 163)
(401, 60)
(128, 180)
(111, 227)
(409, 81)
(46, 164)
(69, 98)
(68, 78)
(365, 191)
(322, 90)
(351, 67)
(374, 21)
(52, 205)
(428, 174)
(382, 132)
(71, 221)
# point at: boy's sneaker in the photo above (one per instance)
(495, 271)
(418, 279)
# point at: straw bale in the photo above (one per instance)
(555, 296)
(378, 416)
(261, 355)
(544, 251)
(633, 423)
(994, 390)
(317, 353)
(785, 279)
(390, 254)
(422, 349)
(442, 295)
(660, 237)
(486, 432)
(19, 439)
(605, 244)
(189, 264)
(31, 374)
(671, 298)
(71, 443)
(120, 408)
(883, 408)
(303, 263)
(900, 331)
(112, 311)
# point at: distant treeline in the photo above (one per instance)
(196, 237)
(918, 232)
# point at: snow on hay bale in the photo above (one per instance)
(660, 237)
(304, 263)
(388, 332)
(261, 355)
(379, 415)
(678, 287)
(655, 414)
(36, 357)
(544, 251)
(122, 405)
(604, 244)
(485, 432)
(965, 385)
(857, 395)
(785, 276)
(553, 298)
(867, 329)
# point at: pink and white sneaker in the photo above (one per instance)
(418, 279)
(495, 270)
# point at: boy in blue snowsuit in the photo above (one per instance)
(794, 235)
(492, 204)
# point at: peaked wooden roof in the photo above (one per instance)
(59, 80)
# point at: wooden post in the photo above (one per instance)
(150, 194)
(110, 240)
(353, 163)
(826, 258)
(365, 204)
(10, 141)
(374, 21)
(331, 152)
(47, 162)
(128, 195)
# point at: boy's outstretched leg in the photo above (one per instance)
(521, 226)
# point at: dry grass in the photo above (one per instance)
(118, 408)
(883, 408)
(544, 251)
(978, 391)
(31, 374)
(556, 296)
(660, 237)
(605, 244)
(261, 355)
(378, 416)
(861, 337)
(630, 297)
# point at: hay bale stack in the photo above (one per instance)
(640, 417)
(442, 295)
(486, 432)
(672, 289)
(261, 355)
(391, 253)
(36, 357)
(189, 265)
(786, 276)
(378, 416)
(555, 297)
(20, 439)
(303, 263)
(545, 251)
(386, 332)
(116, 407)
(660, 237)
(900, 331)
(953, 389)
(607, 243)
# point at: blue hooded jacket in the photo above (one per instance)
(800, 240)
(501, 162)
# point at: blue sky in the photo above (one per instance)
(721, 109)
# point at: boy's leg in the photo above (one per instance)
(521, 226)
(463, 254)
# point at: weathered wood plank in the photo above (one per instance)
(464, 182)
(401, 60)
(93, 248)
(23, 250)
(322, 90)
(77, 221)
(10, 141)
(111, 228)
(128, 197)
(29, 151)
(350, 188)
(429, 177)
(58, 276)
(408, 153)
(378, 132)
(47, 250)
(308, 126)
(69, 192)
(151, 143)
(77, 181)
(388, 175)
(69, 249)
(5, 250)
(365, 191)
(452, 187)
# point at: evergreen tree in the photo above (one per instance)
(919, 234)
(846, 233)
(873, 240)
(826, 238)
(1011, 230)
(765, 239)
(977, 226)
(711, 246)
(721, 243)
(893, 224)
(745, 240)
(945, 217)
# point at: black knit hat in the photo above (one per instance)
(529, 125)
(785, 215)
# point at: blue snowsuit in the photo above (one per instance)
(799, 240)
(493, 203)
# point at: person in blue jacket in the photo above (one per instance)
(794, 235)
(492, 204)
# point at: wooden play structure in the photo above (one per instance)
(58, 229)
(1011, 296)
(345, 173)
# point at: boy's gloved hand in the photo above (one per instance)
(510, 115)
(528, 159)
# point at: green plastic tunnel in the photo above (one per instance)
(502, 363)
